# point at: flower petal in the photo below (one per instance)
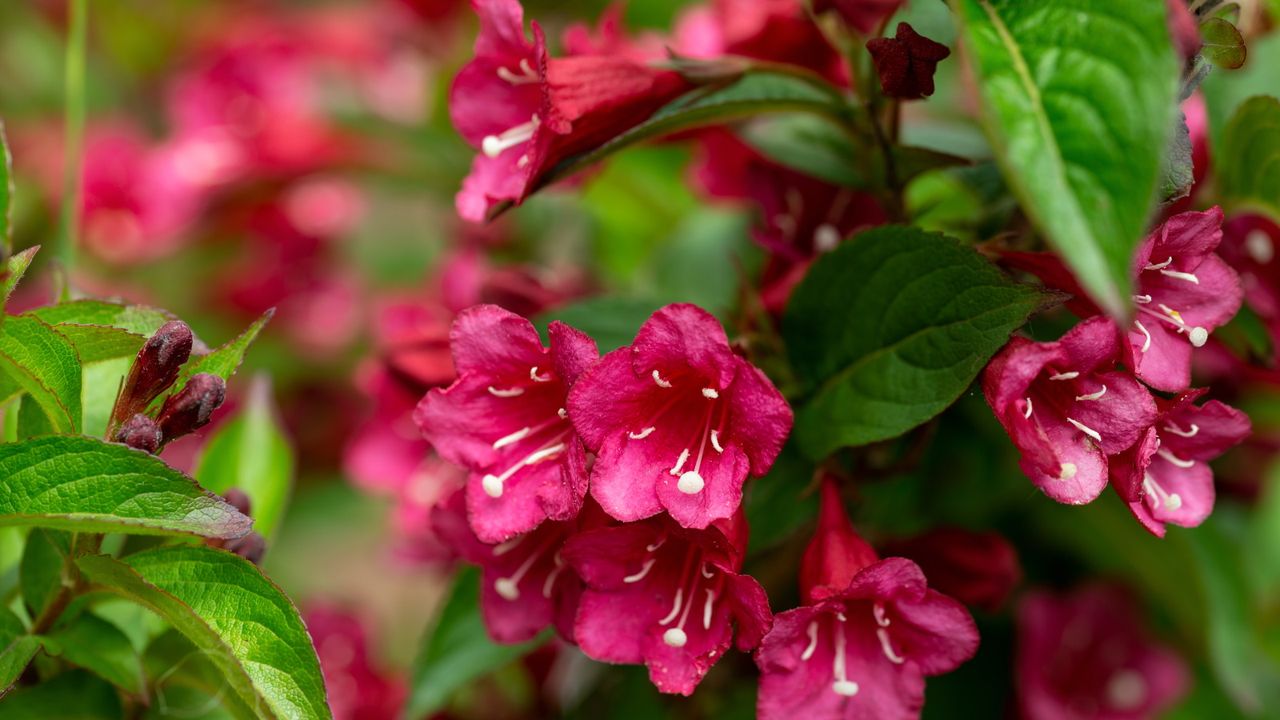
(684, 338)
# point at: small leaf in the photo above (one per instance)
(1177, 173)
(40, 573)
(233, 614)
(458, 650)
(1249, 163)
(96, 645)
(223, 361)
(14, 268)
(41, 362)
(1078, 99)
(1223, 44)
(16, 650)
(73, 695)
(888, 329)
(250, 452)
(79, 483)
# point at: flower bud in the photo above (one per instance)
(251, 547)
(836, 553)
(237, 499)
(140, 432)
(155, 368)
(192, 407)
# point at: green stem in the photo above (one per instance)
(73, 139)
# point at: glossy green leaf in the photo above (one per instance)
(889, 329)
(102, 382)
(1249, 162)
(74, 695)
(222, 361)
(1223, 44)
(6, 196)
(42, 363)
(79, 483)
(16, 650)
(250, 452)
(41, 569)
(186, 682)
(1078, 99)
(96, 645)
(458, 650)
(233, 614)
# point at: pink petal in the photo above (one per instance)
(1121, 415)
(682, 338)
(518, 510)
(750, 610)
(1091, 344)
(602, 557)
(1219, 427)
(612, 626)
(489, 340)
(609, 399)
(1060, 460)
(935, 631)
(562, 500)
(1166, 364)
(679, 670)
(625, 477)
(761, 417)
(572, 351)
(722, 475)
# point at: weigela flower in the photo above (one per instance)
(980, 569)
(1165, 477)
(1085, 655)
(526, 583)
(667, 597)
(906, 63)
(772, 30)
(677, 421)
(504, 419)
(526, 112)
(868, 634)
(1066, 407)
(357, 688)
(862, 15)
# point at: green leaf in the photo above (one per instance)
(233, 614)
(186, 682)
(970, 203)
(40, 573)
(74, 695)
(1078, 99)
(889, 329)
(16, 650)
(1249, 164)
(611, 321)
(250, 452)
(1223, 44)
(223, 361)
(137, 319)
(95, 343)
(79, 483)
(96, 645)
(754, 93)
(14, 268)
(781, 502)
(42, 362)
(1177, 173)
(458, 650)
(6, 196)
(102, 382)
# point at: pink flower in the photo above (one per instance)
(773, 30)
(677, 421)
(504, 419)
(869, 633)
(526, 583)
(1249, 245)
(667, 597)
(865, 16)
(1165, 477)
(980, 569)
(1184, 292)
(1066, 407)
(526, 111)
(356, 688)
(1085, 655)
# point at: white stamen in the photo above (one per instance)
(494, 145)
(1027, 413)
(1184, 433)
(549, 584)
(654, 546)
(1093, 395)
(522, 161)
(1086, 429)
(826, 238)
(888, 648)
(706, 609)
(508, 546)
(512, 392)
(1170, 501)
(492, 485)
(877, 609)
(706, 571)
(642, 434)
(1173, 314)
(1126, 691)
(506, 587)
(710, 393)
(526, 76)
(658, 379)
(644, 570)
(813, 641)
(1198, 336)
(1146, 343)
(691, 483)
(1142, 299)
(675, 637)
(1259, 246)
(1175, 459)
(675, 608)
(715, 441)
(564, 415)
(684, 455)
(842, 685)
(1065, 376)
(1181, 276)
(516, 436)
(1067, 471)
(534, 376)
(1160, 266)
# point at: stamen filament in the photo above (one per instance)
(1085, 429)
(1065, 375)
(644, 570)
(494, 145)
(887, 647)
(842, 684)
(1170, 501)
(1183, 433)
(642, 434)
(1181, 276)
(534, 376)
(1093, 395)
(1146, 342)
(507, 393)
(1175, 459)
(813, 641)
(659, 380)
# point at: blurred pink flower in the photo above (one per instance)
(357, 689)
(772, 30)
(980, 569)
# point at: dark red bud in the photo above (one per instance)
(192, 407)
(237, 499)
(836, 553)
(155, 368)
(906, 62)
(251, 547)
(980, 569)
(139, 432)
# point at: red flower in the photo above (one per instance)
(678, 421)
(980, 569)
(906, 63)
(667, 597)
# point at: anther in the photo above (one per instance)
(1175, 459)
(1159, 266)
(1188, 433)
(526, 76)
(826, 238)
(506, 587)
(1142, 299)
(1170, 501)
(494, 145)
(691, 483)
(564, 415)
(1067, 470)
(505, 393)
(710, 393)
(658, 379)
(642, 434)
(534, 376)
(1198, 336)
(715, 441)
(1146, 342)
(492, 486)
(1093, 395)
(675, 637)
(1086, 429)
(1065, 376)
(1027, 413)
(1259, 246)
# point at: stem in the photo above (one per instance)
(73, 139)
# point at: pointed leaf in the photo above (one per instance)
(41, 362)
(1249, 164)
(223, 361)
(137, 319)
(16, 650)
(96, 645)
(40, 573)
(1223, 44)
(14, 268)
(79, 483)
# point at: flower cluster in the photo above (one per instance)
(1077, 408)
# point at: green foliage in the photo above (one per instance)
(222, 361)
(228, 610)
(78, 483)
(1223, 44)
(1078, 100)
(96, 645)
(611, 321)
(887, 330)
(250, 452)
(457, 651)
(42, 362)
(14, 268)
(136, 319)
(44, 558)
(1249, 162)
(74, 695)
(188, 683)
(17, 647)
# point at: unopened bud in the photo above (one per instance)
(237, 499)
(251, 547)
(140, 432)
(155, 368)
(191, 407)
